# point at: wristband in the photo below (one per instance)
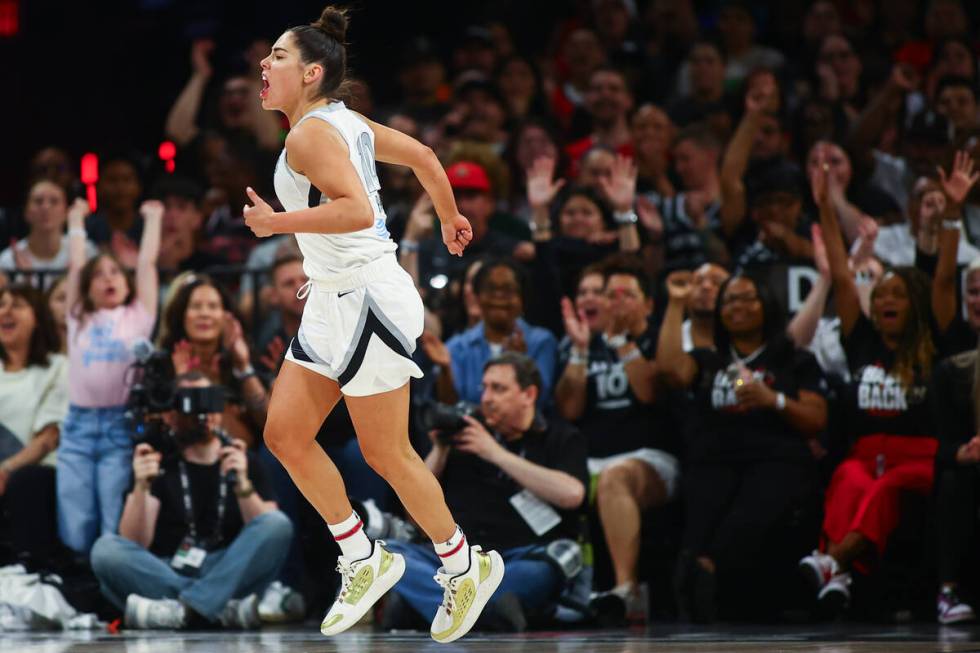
(631, 356)
(578, 357)
(780, 401)
(77, 231)
(617, 341)
(625, 218)
(951, 225)
(244, 374)
(408, 246)
(247, 491)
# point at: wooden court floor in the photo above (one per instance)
(718, 639)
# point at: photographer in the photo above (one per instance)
(198, 532)
(514, 482)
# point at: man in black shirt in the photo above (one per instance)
(199, 534)
(515, 483)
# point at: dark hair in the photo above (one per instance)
(324, 42)
(285, 259)
(582, 191)
(773, 316)
(44, 180)
(707, 42)
(172, 326)
(956, 81)
(182, 187)
(44, 339)
(84, 304)
(916, 348)
(701, 135)
(629, 265)
(525, 369)
(490, 264)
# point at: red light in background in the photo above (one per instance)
(167, 152)
(9, 18)
(90, 168)
(90, 176)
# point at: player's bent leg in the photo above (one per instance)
(381, 422)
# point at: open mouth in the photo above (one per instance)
(591, 313)
(889, 314)
(264, 93)
(8, 325)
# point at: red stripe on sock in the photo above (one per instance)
(344, 536)
(459, 546)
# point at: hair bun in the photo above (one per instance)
(333, 22)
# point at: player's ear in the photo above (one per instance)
(313, 73)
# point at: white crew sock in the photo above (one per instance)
(454, 553)
(350, 537)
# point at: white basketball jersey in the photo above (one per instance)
(325, 255)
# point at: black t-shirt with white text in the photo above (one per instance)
(614, 420)
(875, 401)
(723, 431)
(204, 481)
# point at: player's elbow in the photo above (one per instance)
(362, 213)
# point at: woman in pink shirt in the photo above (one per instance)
(107, 313)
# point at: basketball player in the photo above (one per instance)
(362, 318)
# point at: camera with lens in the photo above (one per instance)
(446, 419)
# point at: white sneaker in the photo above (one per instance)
(281, 604)
(950, 610)
(362, 583)
(819, 568)
(466, 594)
(154, 614)
(241, 613)
(836, 592)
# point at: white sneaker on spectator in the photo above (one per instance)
(281, 604)
(836, 594)
(819, 568)
(241, 613)
(951, 610)
(154, 614)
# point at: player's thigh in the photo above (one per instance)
(301, 400)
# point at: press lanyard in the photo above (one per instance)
(189, 506)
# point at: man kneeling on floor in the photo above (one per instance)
(199, 538)
(515, 483)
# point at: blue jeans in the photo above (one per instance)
(246, 567)
(95, 465)
(360, 480)
(533, 581)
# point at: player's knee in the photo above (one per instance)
(280, 441)
(384, 458)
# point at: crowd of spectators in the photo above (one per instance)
(717, 326)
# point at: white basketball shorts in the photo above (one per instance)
(360, 328)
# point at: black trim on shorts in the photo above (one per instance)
(298, 352)
(372, 325)
(313, 200)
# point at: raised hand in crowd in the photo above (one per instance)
(541, 183)
(619, 188)
(650, 217)
(421, 220)
(516, 341)
(233, 339)
(960, 180)
(969, 453)
(679, 286)
(273, 355)
(436, 350)
(201, 50)
(576, 325)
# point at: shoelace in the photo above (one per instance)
(448, 597)
(346, 570)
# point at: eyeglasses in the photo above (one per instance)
(746, 298)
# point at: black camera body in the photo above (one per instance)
(445, 419)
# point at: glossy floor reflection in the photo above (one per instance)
(718, 639)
